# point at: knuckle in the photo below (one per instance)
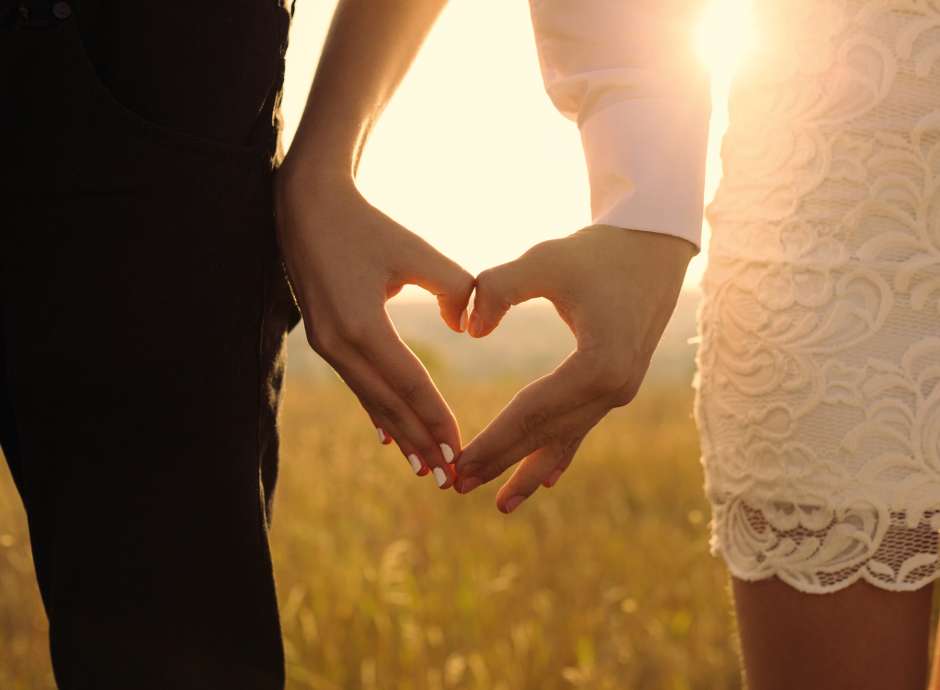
(471, 472)
(488, 473)
(440, 428)
(600, 378)
(569, 446)
(409, 392)
(389, 412)
(428, 451)
(535, 428)
(626, 393)
(484, 470)
(353, 331)
(542, 250)
(606, 375)
(438, 431)
(463, 282)
(493, 290)
(486, 279)
(543, 259)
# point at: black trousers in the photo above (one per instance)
(144, 311)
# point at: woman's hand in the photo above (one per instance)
(345, 259)
(616, 290)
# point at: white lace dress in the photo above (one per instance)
(818, 382)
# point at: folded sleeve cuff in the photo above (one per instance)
(646, 164)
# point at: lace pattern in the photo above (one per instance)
(818, 373)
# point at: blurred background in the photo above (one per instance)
(385, 582)
(470, 153)
(604, 581)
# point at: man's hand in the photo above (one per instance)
(616, 289)
(345, 259)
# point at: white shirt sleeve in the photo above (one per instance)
(626, 71)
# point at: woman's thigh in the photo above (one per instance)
(858, 638)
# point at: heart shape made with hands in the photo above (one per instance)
(595, 278)
(615, 288)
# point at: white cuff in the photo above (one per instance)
(646, 164)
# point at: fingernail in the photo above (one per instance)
(552, 478)
(414, 462)
(469, 484)
(448, 453)
(381, 434)
(439, 476)
(474, 324)
(512, 503)
(463, 320)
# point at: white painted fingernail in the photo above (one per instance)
(414, 462)
(463, 320)
(439, 476)
(381, 434)
(448, 453)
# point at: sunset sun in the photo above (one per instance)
(481, 182)
(725, 36)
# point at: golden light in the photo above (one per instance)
(723, 39)
(725, 36)
(471, 154)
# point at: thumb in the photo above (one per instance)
(534, 274)
(425, 266)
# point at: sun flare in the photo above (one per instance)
(725, 36)
(484, 183)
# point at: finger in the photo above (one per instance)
(388, 433)
(422, 265)
(408, 448)
(559, 470)
(417, 465)
(408, 378)
(409, 452)
(385, 405)
(382, 427)
(537, 416)
(544, 465)
(534, 274)
(571, 425)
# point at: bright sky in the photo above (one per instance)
(471, 154)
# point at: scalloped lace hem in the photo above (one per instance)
(879, 547)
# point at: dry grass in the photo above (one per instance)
(385, 582)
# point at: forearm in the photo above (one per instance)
(369, 47)
(627, 73)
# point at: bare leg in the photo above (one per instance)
(935, 673)
(859, 638)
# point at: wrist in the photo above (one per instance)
(654, 245)
(313, 175)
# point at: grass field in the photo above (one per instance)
(385, 582)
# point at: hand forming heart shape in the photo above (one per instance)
(615, 288)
